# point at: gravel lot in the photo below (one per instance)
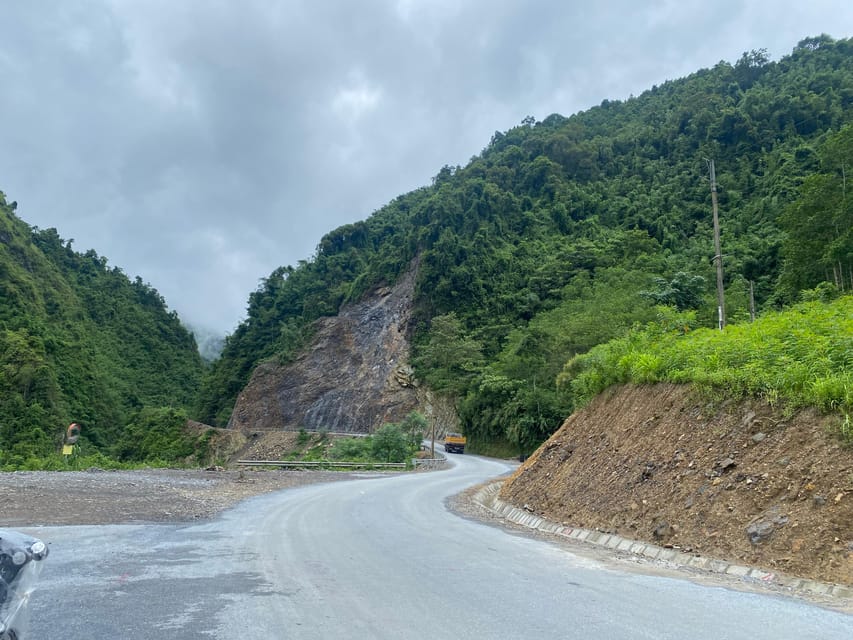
(34, 498)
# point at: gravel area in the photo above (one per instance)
(34, 498)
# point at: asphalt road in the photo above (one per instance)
(377, 558)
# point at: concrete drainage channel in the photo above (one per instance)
(487, 497)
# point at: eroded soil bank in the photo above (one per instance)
(739, 481)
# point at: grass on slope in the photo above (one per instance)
(801, 357)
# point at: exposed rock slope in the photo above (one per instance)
(352, 379)
(740, 482)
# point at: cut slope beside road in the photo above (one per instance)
(739, 481)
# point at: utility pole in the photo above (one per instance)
(751, 302)
(718, 254)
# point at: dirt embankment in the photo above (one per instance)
(738, 481)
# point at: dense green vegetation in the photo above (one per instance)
(802, 356)
(561, 235)
(387, 444)
(159, 435)
(80, 342)
(565, 233)
(392, 442)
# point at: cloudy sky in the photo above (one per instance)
(200, 144)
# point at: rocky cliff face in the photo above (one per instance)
(353, 378)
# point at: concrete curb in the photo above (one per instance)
(487, 497)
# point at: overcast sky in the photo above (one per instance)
(200, 144)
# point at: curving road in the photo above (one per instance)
(377, 558)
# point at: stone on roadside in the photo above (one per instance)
(662, 531)
(726, 463)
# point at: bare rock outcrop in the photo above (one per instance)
(353, 377)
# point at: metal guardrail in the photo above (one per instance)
(321, 463)
(428, 461)
(313, 432)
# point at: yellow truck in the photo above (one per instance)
(454, 443)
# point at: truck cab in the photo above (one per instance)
(454, 443)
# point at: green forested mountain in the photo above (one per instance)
(566, 232)
(561, 235)
(80, 342)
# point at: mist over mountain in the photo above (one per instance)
(210, 343)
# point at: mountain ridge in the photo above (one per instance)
(79, 342)
(561, 222)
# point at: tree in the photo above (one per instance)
(450, 357)
(414, 425)
(683, 291)
(819, 225)
(389, 443)
(539, 248)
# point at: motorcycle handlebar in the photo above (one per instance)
(20, 564)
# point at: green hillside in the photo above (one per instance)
(561, 235)
(564, 233)
(80, 342)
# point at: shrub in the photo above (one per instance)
(802, 356)
(156, 435)
(414, 425)
(351, 449)
(389, 444)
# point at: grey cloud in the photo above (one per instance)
(202, 144)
